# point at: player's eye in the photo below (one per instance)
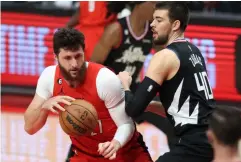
(158, 20)
(77, 56)
(67, 58)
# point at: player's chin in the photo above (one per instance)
(74, 77)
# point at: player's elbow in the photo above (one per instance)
(132, 110)
(129, 112)
(29, 130)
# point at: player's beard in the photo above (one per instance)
(80, 74)
(161, 40)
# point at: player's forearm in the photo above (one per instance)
(100, 53)
(35, 119)
(74, 20)
(136, 104)
(124, 133)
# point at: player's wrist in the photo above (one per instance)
(124, 133)
(126, 88)
(117, 143)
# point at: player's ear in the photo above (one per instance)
(210, 136)
(55, 58)
(176, 25)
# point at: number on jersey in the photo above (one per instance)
(91, 6)
(203, 84)
(100, 127)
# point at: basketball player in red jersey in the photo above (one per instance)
(117, 138)
(92, 17)
(124, 46)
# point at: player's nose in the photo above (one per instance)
(74, 63)
(152, 24)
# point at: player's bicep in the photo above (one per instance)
(110, 90)
(108, 40)
(162, 66)
(45, 83)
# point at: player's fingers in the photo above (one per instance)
(112, 151)
(68, 98)
(103, 147)
(59, 107)
(100, 146)
(113, 156)
(54, 111)
(108, 150)
(66, 102)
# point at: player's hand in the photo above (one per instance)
(126, 79)
(109, 149)
(53, 104)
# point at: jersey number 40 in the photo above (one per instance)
(203, 84)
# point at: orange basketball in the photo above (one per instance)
(80, 118)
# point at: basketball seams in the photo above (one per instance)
(86, 109)
(72, 133)
(78, 120)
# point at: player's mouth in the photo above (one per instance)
(154, 33)
(74, 71)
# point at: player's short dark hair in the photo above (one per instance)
(176, 11)
(225, 122)
(115, 6)
(69, 39)
(133, 4)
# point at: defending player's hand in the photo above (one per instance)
(53, 104)
(109, 149)
(126, 79)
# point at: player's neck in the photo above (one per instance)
(224, 154)
(137, 24)
(73, 84)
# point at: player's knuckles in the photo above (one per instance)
(102, 149)
(110, 154)
(108, 150)
(69, 98)
(65, 102)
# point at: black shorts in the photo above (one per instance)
(192, 148)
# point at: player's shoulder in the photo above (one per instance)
(107, 77)
(108, 84)
(165, 53)
(50, 70)
(106, 74)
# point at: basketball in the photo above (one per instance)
(80, 118)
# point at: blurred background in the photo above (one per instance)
(26, 49)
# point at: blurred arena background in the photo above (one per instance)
(26, 49)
